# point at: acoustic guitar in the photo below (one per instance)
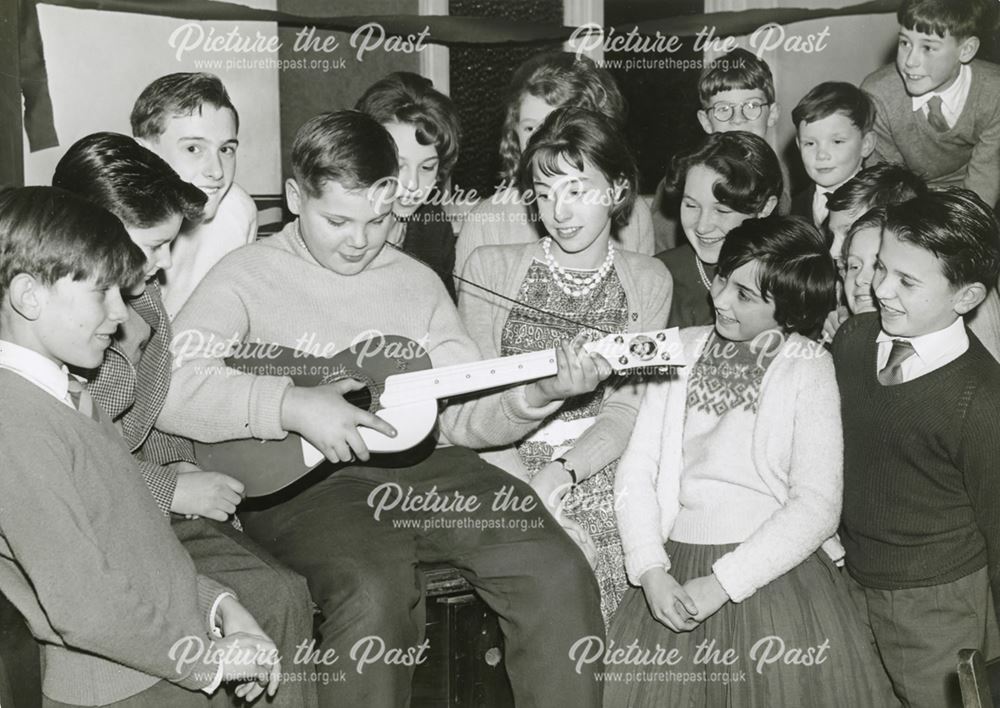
(402, 388)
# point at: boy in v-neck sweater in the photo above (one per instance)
(938, 109)
(920, 400)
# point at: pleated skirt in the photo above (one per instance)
(798, 642)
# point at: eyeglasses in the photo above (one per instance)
(751, 110)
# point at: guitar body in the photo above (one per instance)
(402, 389)
(267, 466)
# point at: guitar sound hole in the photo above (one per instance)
(364, 398)
(642, 348)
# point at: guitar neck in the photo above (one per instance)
(459, 379)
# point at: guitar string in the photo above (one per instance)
(509, 299)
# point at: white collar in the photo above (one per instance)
(39, 370)
(952, 98)
(936, 346)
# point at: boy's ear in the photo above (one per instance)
(706, 124)
(868, 144)
(148, 144)
(773, 114)
(293, 195)
(768, 207)
(967, 49)
(26, 296)
(968, 297)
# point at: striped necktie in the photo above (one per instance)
(892, 373)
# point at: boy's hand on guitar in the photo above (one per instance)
(668, 602)
(322, 416)
(210, 494)
(578, 373)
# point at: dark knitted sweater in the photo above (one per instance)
(921, 466)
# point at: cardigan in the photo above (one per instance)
(966, 155)
(648, 288)
(274, 292)
(97, 573)
(803, 470)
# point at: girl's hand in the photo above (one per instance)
(708, 594)
(552, 483)
(577, 372)
(582, 538)
(669, 603)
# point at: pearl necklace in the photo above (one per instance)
(702, 274)
(574, 284)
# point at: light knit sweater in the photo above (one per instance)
(273, 291)
(966, 155)
(88, 560)
(797, 451)
(200, 246)
(503, 218)
(647, 286)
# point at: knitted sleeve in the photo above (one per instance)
(983, 172)
(90, 601)
(207, 401)
(637, 487)
(637, 235)
(885, 146)
(980, 452)
(479, 228)
(605, 440)
(815, 485)
(493, 419)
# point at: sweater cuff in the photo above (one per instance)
(210, 593)
(514, 404)
(733, 577)
(264, 416)
(639, 560)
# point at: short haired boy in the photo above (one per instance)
(881, 184)
(833, 131)
(84, 556)
(115, 172)
(937, 107)
(189, 120)
(323, 282)
(920, 399)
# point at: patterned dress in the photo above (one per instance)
(591, 504)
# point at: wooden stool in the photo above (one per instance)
(465, 666)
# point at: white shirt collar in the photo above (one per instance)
(819, 208)
(952, 98)
(39, 370)
(936, 349)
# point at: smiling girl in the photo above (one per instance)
(732, 482)
(539, 86)
(729, 178)
(575, 280)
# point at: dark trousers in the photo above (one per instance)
(917, 632)
(277, 597)
(160, 695)
(362, 572)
